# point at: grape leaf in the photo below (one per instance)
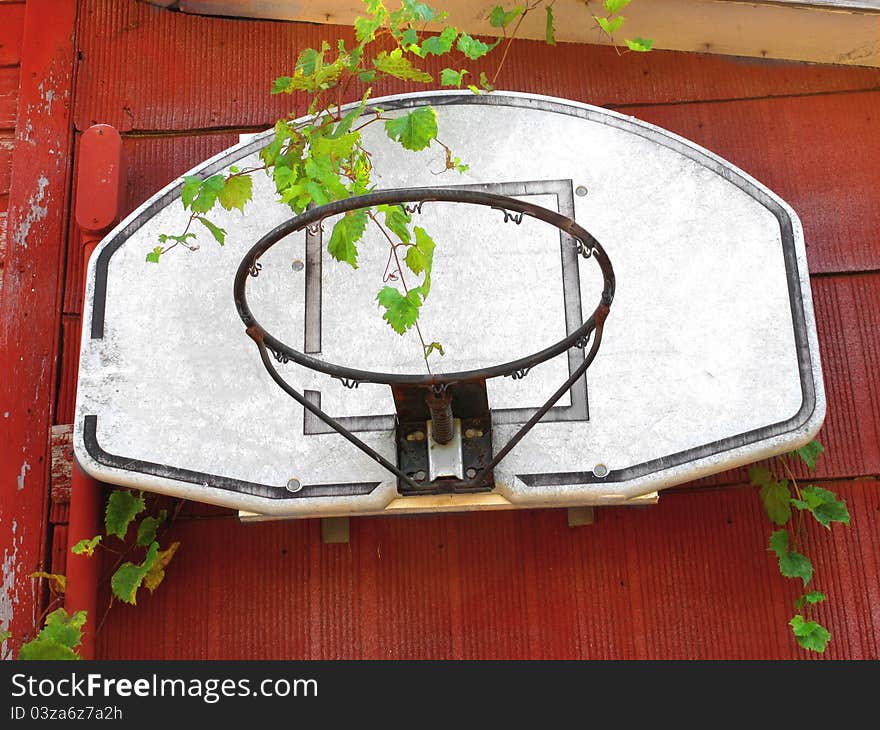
(501, 18)
(823, 505)
(237, 191)
(58, 638)
(346, 233)
(122, 507)
(153, 256)
(437, 45)
(485, 83)
(474, 48)
(147, 529)
(57, 583)
(810, 453)
(336, 146)
(450, 77)
(610, 25)
(46, 650)
(812, 598)
(550, 30)
(809, 634)
(218, 233)
(409, 39)
(207, 195)
(775, 495)
(282, 85)
(310, 60)
(415, 130)
(129, 576)
(397, 220)
(417, 11)
(776, 499)
(401, 312)
(434, 346)
(394, 64)
(795, 565)
(641, 45)
(191, 185)
(779, 542)
(156, 573)
(86, 546)
(614, 6)
(64, 628)
(365, 28)
(420, 258)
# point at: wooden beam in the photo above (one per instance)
(30, 306)
(826, 31)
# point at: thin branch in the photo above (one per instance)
(403, 283)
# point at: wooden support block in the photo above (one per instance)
(580, 516)
(61, 445)
(334, 530)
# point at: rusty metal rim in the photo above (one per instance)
(588, 246)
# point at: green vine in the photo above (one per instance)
(62, 632)
(786, 504)
(320, 158)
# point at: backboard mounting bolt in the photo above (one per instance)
(298, 265)
(471, 473)
(294, 484)
(473, 433)
(419, 476)
(580, 191)
(600, 470)
(415, 436)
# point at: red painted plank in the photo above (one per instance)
(819, 153)
(177, 71)
(8, 96)
(688, 578)
(11, 27)
(71, 328)
(848, 323)
(30, 304)
(7, 145)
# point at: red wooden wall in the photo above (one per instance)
(689, 578)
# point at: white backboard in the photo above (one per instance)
(709, 358)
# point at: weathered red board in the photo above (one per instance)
(30, 302)
(689, 579)
(678, 580)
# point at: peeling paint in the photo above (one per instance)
(36, 213)
(25, 468)
(8, 598)
(47, 94)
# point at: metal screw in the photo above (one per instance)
(294, 484)
(473, 433)
(471, 473)
(580, 191)
(415, 436)
(298, 265)
(600, 470)
(419, 476)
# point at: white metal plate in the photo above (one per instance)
(709, 358)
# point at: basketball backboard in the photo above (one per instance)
(708, 360)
